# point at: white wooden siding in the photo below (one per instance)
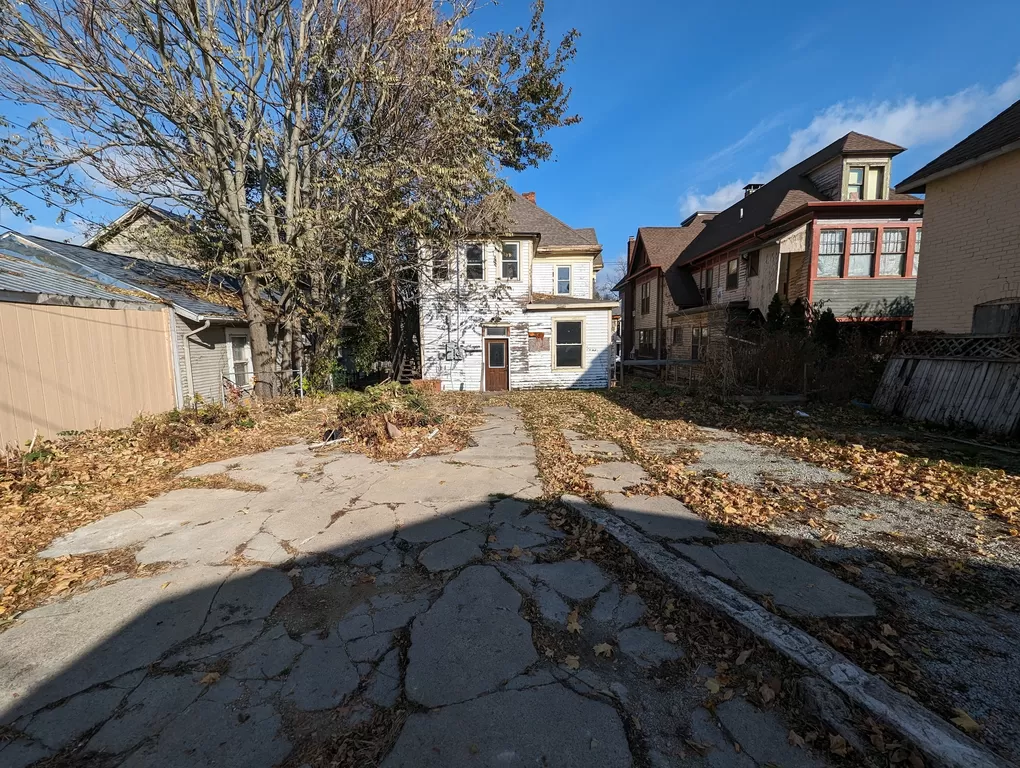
(543, 278)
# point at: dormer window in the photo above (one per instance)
(865, 182)
(563, 280)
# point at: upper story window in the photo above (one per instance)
(862, 252)
(830, 252)
(510, 260)
(440, 265)
(706, 285)
(732, 274)
(646, 297)
(475, 262)
(894, 253)
(563, 280)
(917, 251)
(865, 182)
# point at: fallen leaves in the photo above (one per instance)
(210, 678)
(572, 662)
(603, 649)
(965, 722)
(573, 622)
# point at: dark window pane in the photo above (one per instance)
(441, 266)
(568, 333)
(475, 263)
(497, 354)
(568, 355)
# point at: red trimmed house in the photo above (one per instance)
(828, 231)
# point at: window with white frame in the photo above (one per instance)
(239, 351)
(855, 183)
(830, 252)
(510, 261)
(563, 280)
(646, 297)
(699, 341)
(475, 262)
(917, 251)
(569, 343)
(862, 252)
(893, 262)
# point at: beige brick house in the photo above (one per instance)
(970, 281)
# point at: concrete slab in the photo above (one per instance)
(706, 559)
(169, 513)
(264, 548)
(574, 579)
(548, 725)
(320, 679)
(22, 752)
(431, 530)
(384, 687)
(204, 543)
(66, 647)
(449, 553)
(208, 733)
(762, 736)
(270, 655)
(58, 727)
(615, 476)
(469, 642)
(146, 712)
(660, 516)
(247, 594)
(617, 610)
(647, 648)
(599, 447)
(794, 584)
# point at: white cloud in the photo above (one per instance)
(908, 122)
(39, 230)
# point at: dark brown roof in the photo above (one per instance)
(991, 138)
(663, 244)
(790, 190)
(528, 218)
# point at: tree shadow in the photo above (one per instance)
(265, 666)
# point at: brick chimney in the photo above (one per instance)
(530, 197)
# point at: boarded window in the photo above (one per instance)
(830, 252)
(646, 298)
(706, 291)
(862, 252)
(440, 265)
(511, 261)
(678, 335)
(917, 251)
(732, 274)
(563, 280)
(894, 253)
(568, 344)
(475, 262)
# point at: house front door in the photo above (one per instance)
(497, 378)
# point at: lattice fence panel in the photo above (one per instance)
(962, 347)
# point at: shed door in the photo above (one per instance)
(496, 365)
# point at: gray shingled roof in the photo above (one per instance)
(994, 136)
(183, 287)
(20, 275)
(527, 218)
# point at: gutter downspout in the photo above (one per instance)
(187, 352)
(176, 361)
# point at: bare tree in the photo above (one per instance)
(305, 135)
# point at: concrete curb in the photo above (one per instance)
(938, 740)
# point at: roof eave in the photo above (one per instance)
(910, 185)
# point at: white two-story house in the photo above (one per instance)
(520, 312)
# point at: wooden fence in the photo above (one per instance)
(967, 381)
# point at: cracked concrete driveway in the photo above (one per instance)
(350, 590)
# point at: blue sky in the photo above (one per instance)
(682, 104)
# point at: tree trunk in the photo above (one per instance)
(261, 353)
